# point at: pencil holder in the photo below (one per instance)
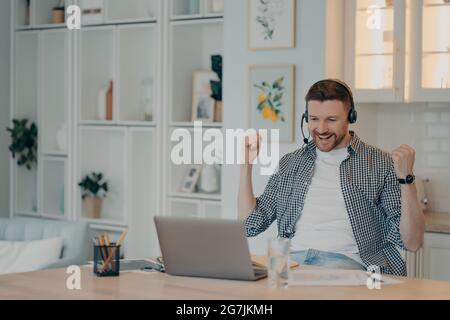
(107, 260)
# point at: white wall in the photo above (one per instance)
(4, 105)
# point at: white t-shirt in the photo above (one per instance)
(324, 223)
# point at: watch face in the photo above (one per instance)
(409, 179)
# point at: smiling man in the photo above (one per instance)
(343, 203)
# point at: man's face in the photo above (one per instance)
(328, 124)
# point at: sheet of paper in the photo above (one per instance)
(333, 277)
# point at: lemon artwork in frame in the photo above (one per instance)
(272, 99)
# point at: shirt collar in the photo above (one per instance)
(353, 148)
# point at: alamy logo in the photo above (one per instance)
(373, 22)
(73, 21)
(73, 282)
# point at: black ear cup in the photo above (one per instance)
(352, 116)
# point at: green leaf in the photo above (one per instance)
(277, 84)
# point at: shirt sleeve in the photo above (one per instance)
(264, 212)
(391, 202)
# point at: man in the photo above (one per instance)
(342, 202)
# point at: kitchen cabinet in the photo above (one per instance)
(398, 51)
(435, 256)
(374, 50)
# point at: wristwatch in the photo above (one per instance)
(408, 180)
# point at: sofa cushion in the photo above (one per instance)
(25, 256)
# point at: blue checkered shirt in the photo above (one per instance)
(371, 193)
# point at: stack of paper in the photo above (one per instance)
(307, 276)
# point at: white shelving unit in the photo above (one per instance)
(58, 80)
(195, 33)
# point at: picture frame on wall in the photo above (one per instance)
(190, 180)
(272, 100)
(202, 102)
(271, 24)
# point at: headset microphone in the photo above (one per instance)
(305, 140)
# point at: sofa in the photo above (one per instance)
(74, 236)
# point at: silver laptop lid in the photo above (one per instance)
(213, 248)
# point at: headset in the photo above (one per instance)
(352, 114)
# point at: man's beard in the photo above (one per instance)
(326, 145)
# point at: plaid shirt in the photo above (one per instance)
(371, 195)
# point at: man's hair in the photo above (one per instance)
(329, 90)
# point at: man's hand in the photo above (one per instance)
(403, 158)
(252, 146)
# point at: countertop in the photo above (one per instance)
(437, 222)
(51, 284)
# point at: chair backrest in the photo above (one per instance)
(74, 234)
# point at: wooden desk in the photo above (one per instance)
(51, 284)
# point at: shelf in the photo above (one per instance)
(53, 186)
(137, 73)
(374, 54)
(54, 96)
(435, 3)
(117, 123)
(102, 150)
(197, 195)
(192, 45)
(190, 124)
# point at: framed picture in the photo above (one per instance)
(271, 24)
(272, 99)
(202, 102)
(191, 178)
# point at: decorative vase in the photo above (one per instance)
(93, 207)
(209, 179)
(61, 140)
(101, 104)
(58, 15)
(109, 102)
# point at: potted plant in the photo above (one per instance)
(24, 138)
(94, 189)
(216, 86)
(58, 12)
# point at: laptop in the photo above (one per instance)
(211, 248)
